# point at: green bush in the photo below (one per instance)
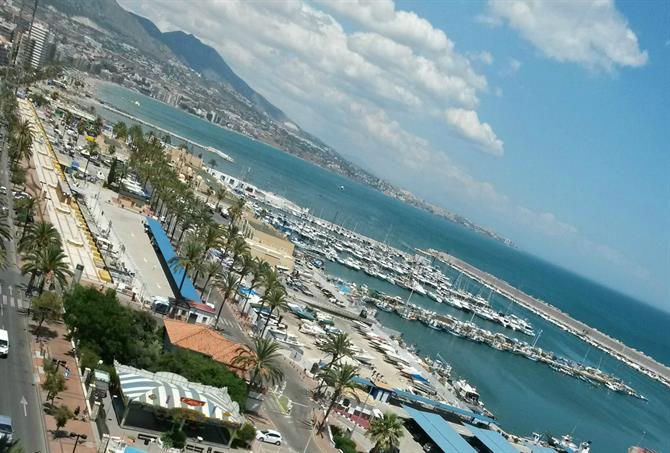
(246, 434)
(175, 438)
(342, 442)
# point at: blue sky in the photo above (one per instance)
(546, 121)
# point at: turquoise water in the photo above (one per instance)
(525, 396)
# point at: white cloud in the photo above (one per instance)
(588, 32)
(482, 57)
(467, 124)
(357, 89)
(514, 65)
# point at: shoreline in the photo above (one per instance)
(614, 347)
(477, 229)
(637, 360)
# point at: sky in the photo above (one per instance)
(547, 121)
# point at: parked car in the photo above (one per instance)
(6, 428)
(269, 436)
(3, 190)
(4, 343)
(19, 195)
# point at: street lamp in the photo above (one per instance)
(374, 374)
(76, 441)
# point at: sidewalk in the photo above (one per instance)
(58, 348)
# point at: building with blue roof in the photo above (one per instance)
(439, 431)
(492, 441)
(176, 274)
(440, 406)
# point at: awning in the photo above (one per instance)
(441, 406)
(493, 440)
(188, 290)
(169, 391)
(439, 431)
(247, 291)
(540, 449)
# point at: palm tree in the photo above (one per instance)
(92, 151)
(276, 300)
(341, 379)
(228, 285)
(220, 195)
(336, 346)
(135, 133)
(189, 257)
(211, 235)
(261, 360)
(385, 432)
(245, 267)
(27, 206)
(210, 268)
(39, 235)
(50, 262)
(258, 270)
(232, 232)
(209, 192)
(238, 249)
(235, 211)
(270, 278)
(270, 283)
(22, 141)
(120, 130)
(5, 232)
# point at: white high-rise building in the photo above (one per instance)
(41, 45)
(36, 46)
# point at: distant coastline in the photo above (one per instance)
(399, 194)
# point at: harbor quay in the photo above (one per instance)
(612, 346)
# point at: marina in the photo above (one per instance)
(499, 377)
(416, 273)
(635, 359)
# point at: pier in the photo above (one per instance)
(612, 346)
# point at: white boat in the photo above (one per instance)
(364, 358)
(466, 391)
(220, 154)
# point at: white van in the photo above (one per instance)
(4, 343)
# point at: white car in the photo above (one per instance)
(269, 435)
(4, 343)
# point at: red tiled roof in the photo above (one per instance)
(202, 339)
(200, 306)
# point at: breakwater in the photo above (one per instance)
(632, 357)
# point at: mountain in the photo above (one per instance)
(207, 61)
(111, 16)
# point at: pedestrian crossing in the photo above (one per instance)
(226, 323)
(12, 297)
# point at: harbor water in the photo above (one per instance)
(526, 396)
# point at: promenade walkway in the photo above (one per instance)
(54, 346)
(65, 215)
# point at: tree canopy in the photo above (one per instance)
(108, 330)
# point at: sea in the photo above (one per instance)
(525, 396)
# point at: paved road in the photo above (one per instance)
(295, 427)
(16, 371)
(17, 381)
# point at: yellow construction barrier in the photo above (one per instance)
(97, 256)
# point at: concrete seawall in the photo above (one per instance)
(634, 358)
